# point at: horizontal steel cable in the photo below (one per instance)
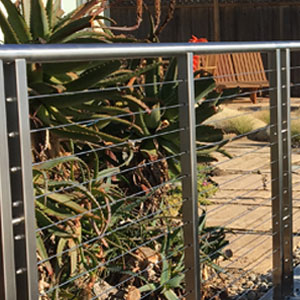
(229, 75)
(111, 204)
(99, 237)
(295, 167)
(95, 120)
(134, 168)
(238, 197)
(202, 237)
(236, 239)
(110, 175)
(146, 138)
(296, 183)
(161, 285)
(109, 89)
(238, 95)
(134, 276)
(139, 273)
(234, 179)
(247, 290)
(253, 240)
(294, 67)
(140, 166)
(185, 295)
(101, 265)
(294, 85)
(119, 88)
(139, 140)
(93, 210)
(239, 257)
(293, 136)
(233, 200)
(109, 261)
(294, 119)
(235, 157)
(266, 255)
(242, 214)
(234, 138)
(231, 117)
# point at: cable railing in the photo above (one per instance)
(156, 185)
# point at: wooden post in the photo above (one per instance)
(216, 21)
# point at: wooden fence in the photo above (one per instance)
(256, 20)
(239, 20)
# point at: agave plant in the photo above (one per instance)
(40, 24)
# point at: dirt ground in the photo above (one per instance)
(243, 200)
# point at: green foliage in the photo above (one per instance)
(212, 242)
(240, 125)
(47, 25)
(73, 208)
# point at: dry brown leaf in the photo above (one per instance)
(146, 253)
(133, 293)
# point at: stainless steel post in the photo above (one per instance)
(276, 170)
(21, 180)
(189, 168)
(287, 205)
(281, 175)
(7, 263)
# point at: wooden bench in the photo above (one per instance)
(243, 70)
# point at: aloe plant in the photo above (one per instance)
(79, 225)
(64, 81)
(155, 133)
(68, 105)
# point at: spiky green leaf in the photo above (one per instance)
(17, 22)
(92, 76)
(10, 36)
(39, 25)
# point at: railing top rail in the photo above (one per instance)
(79, 52)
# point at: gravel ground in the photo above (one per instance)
(236, 285)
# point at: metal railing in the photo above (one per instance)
(23, 267)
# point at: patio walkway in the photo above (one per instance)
(242, 204)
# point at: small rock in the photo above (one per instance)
(251, 295)
(269, 277)
(263, 287)
(101, 286)
(264, 278)
(252, 277)
(260, 294)
(228, 253)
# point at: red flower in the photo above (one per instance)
(196, 59)
(194, 39)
